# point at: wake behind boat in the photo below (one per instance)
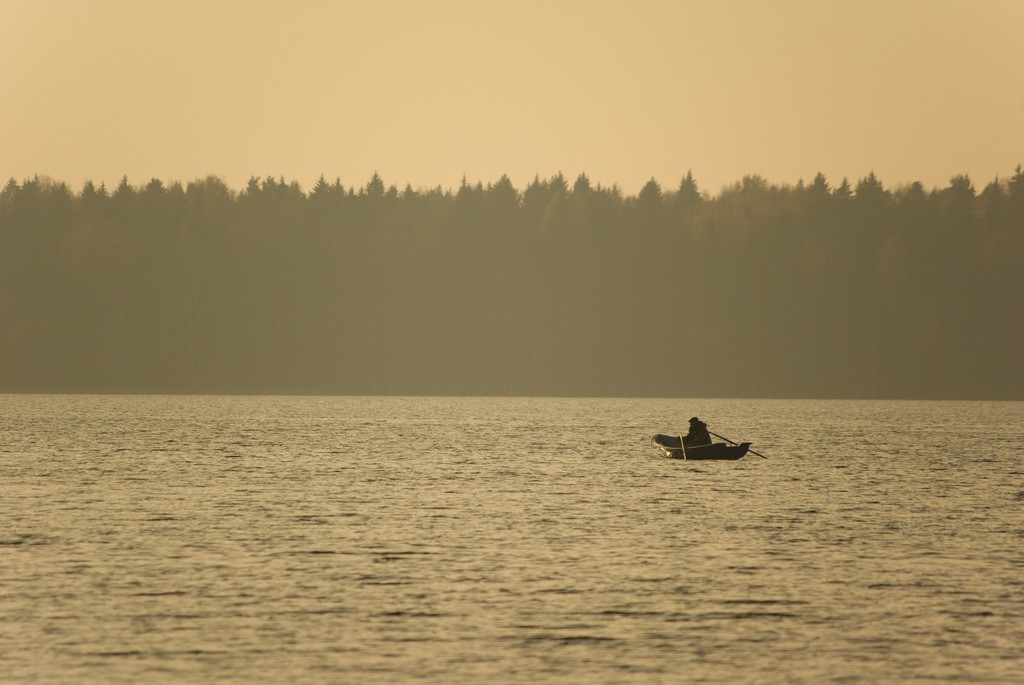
(671, 446)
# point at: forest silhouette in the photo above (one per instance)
(813, 290)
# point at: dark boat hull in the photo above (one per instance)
(671, 448)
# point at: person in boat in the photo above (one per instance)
(698, 434)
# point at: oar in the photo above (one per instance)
(722, 437)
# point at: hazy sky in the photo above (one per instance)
(426, 92)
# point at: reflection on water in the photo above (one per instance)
(231, 540)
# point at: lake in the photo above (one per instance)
(194, 539)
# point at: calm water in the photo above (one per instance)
(392, 540)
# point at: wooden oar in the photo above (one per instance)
(722, 437)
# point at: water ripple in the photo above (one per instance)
(295, 539)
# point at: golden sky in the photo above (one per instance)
(426, 92)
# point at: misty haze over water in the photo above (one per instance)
(824, 289)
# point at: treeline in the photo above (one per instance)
(808, 290)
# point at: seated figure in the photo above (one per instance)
(698, 434)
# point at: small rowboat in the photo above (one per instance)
(671, 447)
